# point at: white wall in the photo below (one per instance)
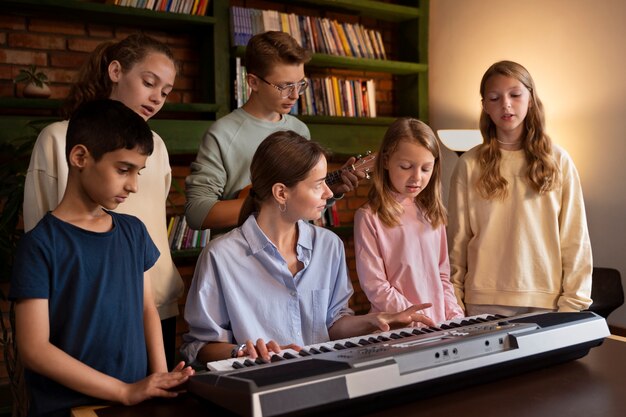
(575, 51)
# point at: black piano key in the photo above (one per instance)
(289, 355)
(260, 361)
(276, 358)
(465, 322)
(500, 316)
(364, 342)
(248, 362)
(325, 349)
(454, 324)
(349, 344)
(418, 331)
(339, 346)
(405, 334)
(238, 365)
(481, 320)
(315, 351)
(395, 336)
(445, 327)
(373, 340)
(303, 353)
(474, 321)
(434, 329)
(383, 338)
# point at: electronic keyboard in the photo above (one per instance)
(454, 353)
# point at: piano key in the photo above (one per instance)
(260, 361)
(363, 340)
(289, 355)
(395, 336)
(339, 346)
(249, 362)
(238, 365)
(304, 352)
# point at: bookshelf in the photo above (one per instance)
(182, 124)
(346, 136)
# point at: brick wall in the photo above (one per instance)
(59, 46)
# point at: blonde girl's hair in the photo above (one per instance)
(543, 172)
(93, 78)
(283, 157)
(381, 194)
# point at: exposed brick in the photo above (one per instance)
(175, 97)
(6, 72)
(57, 26)
(184, 54)
(59, 91)
(189, 97)
(12, 22)
(83, 44)
(68, 59)
(184, 83)
(190, 69)
(61, 75)
(36, 41)
(11, 56)
(100, 31)
(7, 89)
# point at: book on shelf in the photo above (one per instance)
(192, 7)
(325, 96)
(320, 35)
(182, 237)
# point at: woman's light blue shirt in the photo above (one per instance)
(242, 289)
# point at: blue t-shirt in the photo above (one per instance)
(94, 286)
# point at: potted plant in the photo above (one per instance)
(36, 82)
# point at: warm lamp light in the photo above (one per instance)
(460, 140)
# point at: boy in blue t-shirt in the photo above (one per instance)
(87, 327)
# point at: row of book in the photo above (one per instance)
(325, 96)
(193, 7)
(181, 236)
(320, 35)
(333, 96)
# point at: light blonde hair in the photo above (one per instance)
(543, 172)
(381, 194)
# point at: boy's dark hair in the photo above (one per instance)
(268, 49)
(105, 126)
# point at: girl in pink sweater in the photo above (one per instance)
(399, 235)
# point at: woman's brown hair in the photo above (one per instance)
(283, 157)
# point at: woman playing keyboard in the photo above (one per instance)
(277, 281)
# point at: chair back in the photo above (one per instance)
(607, 291)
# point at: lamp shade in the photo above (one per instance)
(460, 140)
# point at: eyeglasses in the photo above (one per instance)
(287, 90)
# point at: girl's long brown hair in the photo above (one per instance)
(429, 200)
(93, 78)
(283, 157)
(543, 172)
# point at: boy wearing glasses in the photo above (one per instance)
(275, 65)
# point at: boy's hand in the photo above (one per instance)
(413, 314)
(350, 178)
(156, 385)
(262, 349)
